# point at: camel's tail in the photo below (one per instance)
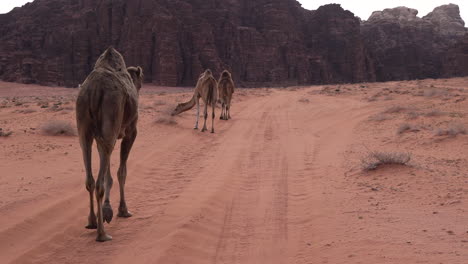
(182, 107)
(212, 93)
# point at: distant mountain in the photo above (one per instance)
(263, 42)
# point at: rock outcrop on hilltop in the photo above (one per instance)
(404, 46)
(262, 42)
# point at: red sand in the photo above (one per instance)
(279, 183)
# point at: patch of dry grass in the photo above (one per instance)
(26, 111)
(5, 133)
(452, 130)
(407, 128)
(304, 100)
(58, 128)
(376, 159)
(395, 109)
(379, 118)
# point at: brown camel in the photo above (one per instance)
(207, 89)
(107, 110)
(225, 91)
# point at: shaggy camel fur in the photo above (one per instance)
(207, 89)
(107, 110)
(225, 91)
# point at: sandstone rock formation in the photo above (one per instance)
(404, 46)
(262, 42)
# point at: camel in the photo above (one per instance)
(225, 91)
(107, 110)
(207, 89)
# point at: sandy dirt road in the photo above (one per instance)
(270, 186)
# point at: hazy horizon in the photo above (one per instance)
(360, 8)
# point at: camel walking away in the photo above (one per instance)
(107, 110)
(207, 89)
(225, 91)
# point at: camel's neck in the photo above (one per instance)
(186, 106)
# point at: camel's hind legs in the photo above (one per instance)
(104, 154)
(212, 117)
(86, 142)
(126, 146)
(205, 115)
(223, 107)
(198, 114)
(107, 212)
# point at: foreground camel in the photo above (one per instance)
(225, 91)
(207, 89)
(107, 110)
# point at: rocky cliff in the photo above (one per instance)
(404, 46)
(263, 42)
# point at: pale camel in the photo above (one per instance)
(207, 89)
(225, 91)
(107, 110)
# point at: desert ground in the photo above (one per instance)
(298, 175)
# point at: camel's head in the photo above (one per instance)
(207, 72)
(225, 74)
(137, 76)
(179, 109)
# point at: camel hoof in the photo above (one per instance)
(124, 213)
(203, 130)
(107, 213)
(196, 128)
(92, 223)
(212, 131)
(103, 237)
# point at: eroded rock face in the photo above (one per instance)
(455, 62)
(262, 42)
(404, 46)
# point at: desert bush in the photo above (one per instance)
(5, 133)
(375, 159)
(303, 100)
(435, 92)
(379, 118)
(407, 128)
(452, 131)
(395, 109)
(58, 128)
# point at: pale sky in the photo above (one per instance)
(361, 8)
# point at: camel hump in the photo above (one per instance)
(111, 59)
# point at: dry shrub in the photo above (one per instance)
(26, 111)
(407, 128)
(5, 133)
(303, 100)
(379, 118)
(413, 115)
(395, 109)
(376, 159)
(58, 128)
(452, 131)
